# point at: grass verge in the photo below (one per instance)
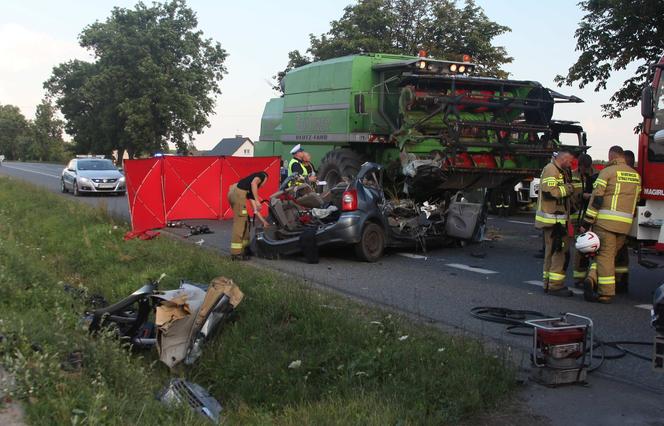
(358, 365)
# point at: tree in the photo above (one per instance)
(13, 131)
(154, 81)
(46, 143)
(407, 26)
(612, 35)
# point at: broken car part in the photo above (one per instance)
(184, 318)
(181, 392)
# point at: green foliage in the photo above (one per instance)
(153, 81)
(612, 35)
(357, 365)
(407, 26)
(39, 139)
(13, 130)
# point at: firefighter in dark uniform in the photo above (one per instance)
(238, 194)
(553, 210)
(610, 213)
(582, 180)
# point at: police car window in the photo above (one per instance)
(95, 165)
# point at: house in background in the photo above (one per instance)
(238, 146)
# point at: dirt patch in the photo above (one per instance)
(514, 413)
(11, 412)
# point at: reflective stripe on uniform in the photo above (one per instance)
(614, 199)
(556, 277)
(622, 270)
(245, 243)
(591, 213)
(593, 266)
(545, 275)
(610, 280)
(579, 274)
(236, 246)
(615, 215)
(551, 218)
(563, 191)
(598, 182)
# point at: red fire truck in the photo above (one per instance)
(648, 227)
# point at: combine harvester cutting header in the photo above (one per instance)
(434, 127)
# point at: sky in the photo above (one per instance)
(37, 35)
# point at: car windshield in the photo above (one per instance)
(96, 165)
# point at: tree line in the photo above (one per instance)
(38, 139)
(154, 78)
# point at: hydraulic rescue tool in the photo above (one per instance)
(562, 349)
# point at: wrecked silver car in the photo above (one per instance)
(357, 212)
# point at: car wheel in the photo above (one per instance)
(63, 188)
(372, 243)
(75, 189)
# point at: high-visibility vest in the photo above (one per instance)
(552, 200)
(615, 194)
(294, 161)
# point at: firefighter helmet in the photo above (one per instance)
(587, 242)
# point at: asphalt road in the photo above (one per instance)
(442, 285)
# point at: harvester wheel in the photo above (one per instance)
(337, 164)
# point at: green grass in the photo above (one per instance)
(356, 366)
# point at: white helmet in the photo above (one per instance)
(587, 242)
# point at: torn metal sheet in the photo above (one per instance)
(191, 314)
(185, 318)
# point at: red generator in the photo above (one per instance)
(562, 349)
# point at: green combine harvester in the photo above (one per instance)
(436, 127)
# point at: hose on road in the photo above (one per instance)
(515, 319)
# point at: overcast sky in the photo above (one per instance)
(37, 35)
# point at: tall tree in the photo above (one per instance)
(612, 35)
(13, 131)
(407, 26)
(46, 143)
(154, 81)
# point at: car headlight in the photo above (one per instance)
(122, 179)
(84, 180)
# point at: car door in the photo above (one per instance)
(70, 174)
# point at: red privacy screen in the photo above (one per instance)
(175, 188)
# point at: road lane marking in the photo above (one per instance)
(646, 306)
(471, 268)
(31, 171)
(521, 222)
(541, 284)
(412, 256)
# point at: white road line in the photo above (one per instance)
(412, 256)
(646, 306)
(521, 222)
(541, 284)
(471, 268)
(31, 171)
